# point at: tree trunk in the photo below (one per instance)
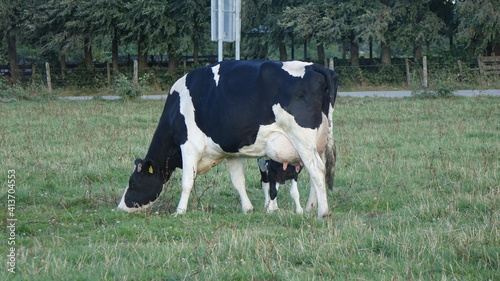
(417, 51)
(344, 49)
(173, 60)
(371, 49)
(114, 52)
(354, 51)
(13, 62)
(305, 49)
(142, 58)
(282, 49)
(385, 54)
(196, 50)
(87, 50)
(321, 53)
(62, 62)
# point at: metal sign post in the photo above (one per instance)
(226, 24)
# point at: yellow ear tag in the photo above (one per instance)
(150, 170)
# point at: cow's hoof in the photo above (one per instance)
(272, 206)
(248, 211)
(325, 215)
(299, 211)
(178, 212)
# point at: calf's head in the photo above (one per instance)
(144, 187)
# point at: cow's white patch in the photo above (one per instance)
(215, 70)
(296, 68)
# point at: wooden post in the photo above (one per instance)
(33, 73)
(332, 65)
(49, 83)
(136, 73)
(425, 72)
(108, 72)
(407, 61)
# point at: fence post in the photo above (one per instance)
(136, 73)
(49, 83)
(407, 61)
(425, 72)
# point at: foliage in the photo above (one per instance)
(440, 93)
(16, 91)
(415, 198)
(125, 88)
(479, 23)
(65, 29)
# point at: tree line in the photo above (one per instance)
(68, 29)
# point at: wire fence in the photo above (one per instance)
(402, 73)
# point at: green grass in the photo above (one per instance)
(416, 197)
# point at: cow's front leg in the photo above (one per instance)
(265, 189)
(237, 171)
(273, 193)
(189, 166)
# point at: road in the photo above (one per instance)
(382, 94)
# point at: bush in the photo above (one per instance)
(125, 88)
(18, 92)
(439, 93)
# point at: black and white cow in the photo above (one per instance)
(272, 174)
(240, 109)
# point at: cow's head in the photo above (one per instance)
(144, 187)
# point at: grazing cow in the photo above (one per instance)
(240, 109)
(272, 175)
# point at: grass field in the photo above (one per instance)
(416, 197)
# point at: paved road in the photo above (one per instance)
(384, 94)
(400, 94)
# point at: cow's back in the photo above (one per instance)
(233, 99)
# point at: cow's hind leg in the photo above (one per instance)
(312, 202)
(316, 167)
(237, 171)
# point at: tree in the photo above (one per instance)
(108, 15)
(315, 19)
(197, 13)
(416, 25)
(479, 24)
(260, 24)
(378, 24)
(11, 23)
(66, 26)
(444, 9)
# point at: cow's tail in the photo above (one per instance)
(330, 94)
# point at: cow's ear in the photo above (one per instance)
(148, 166)
(138, 164)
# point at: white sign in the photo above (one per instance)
(231, 20)
(226, 23)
